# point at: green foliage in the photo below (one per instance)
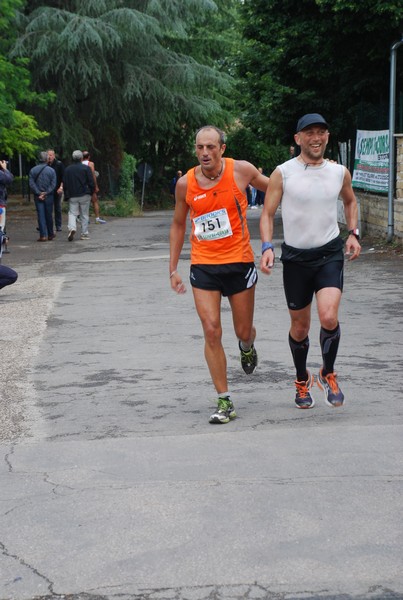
(328, 56)
(8, 8)
(143, 75)
(21, 136)
(242, 144)
(212, 39)
(126, 204)
(19, 131)
(116, 64)
(126, 187)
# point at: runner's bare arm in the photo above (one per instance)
(272, 200)
(245, 173)
(177, 235)
(353, 247)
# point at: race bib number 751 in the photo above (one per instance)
(212, 226)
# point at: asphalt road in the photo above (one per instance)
(114, 486)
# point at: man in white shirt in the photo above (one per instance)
(308, 187)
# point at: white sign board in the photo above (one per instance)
(371, 164)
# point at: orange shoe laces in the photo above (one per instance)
(302, 388)
(331, 379)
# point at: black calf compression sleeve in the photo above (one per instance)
(329, 344)
(299, 351)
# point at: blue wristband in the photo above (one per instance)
(267, 246)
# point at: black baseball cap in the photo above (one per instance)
(311, 119)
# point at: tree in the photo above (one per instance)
(328, 56)
(19, 132)
(115, 70)
(212, 39)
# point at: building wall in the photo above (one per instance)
(374, 209)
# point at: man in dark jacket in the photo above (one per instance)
(78, 185)
(42, 181)
(172, 185)
(58, 167)
(6, 178)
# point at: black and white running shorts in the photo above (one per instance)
(229, 279)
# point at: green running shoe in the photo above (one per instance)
(225, 411)
(248, 359)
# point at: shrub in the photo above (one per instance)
(126, 203)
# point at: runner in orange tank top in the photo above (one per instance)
(222, 259)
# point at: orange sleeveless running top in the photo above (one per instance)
(220, 232)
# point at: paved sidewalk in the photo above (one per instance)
(113, 485)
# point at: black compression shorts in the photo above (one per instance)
(301, 282)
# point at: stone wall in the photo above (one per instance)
(374, 209)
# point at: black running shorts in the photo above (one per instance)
(228, 279)
(301, 282)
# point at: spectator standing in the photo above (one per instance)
(259, 194)
(94, 197)
(294, 150)
(248, 193)
(58, 167)
(78, 185)
(42, 181)
(253, 194)
(6, 178)
(174, 181)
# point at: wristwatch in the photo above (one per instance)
(355, 233)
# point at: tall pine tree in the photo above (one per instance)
(115, 69)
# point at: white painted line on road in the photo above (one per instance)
(106, 260)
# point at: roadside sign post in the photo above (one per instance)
(144, 172)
